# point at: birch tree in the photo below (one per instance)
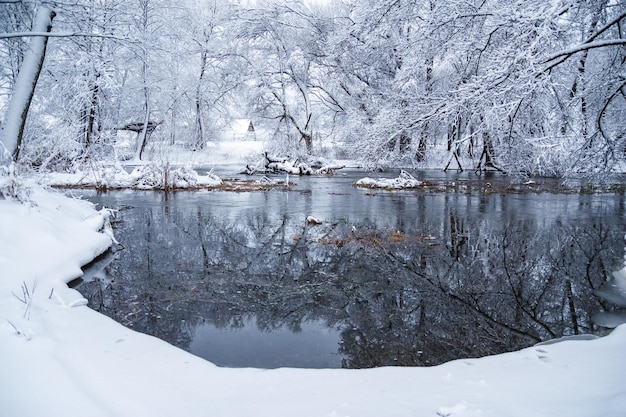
(26, 82)
(145, 19)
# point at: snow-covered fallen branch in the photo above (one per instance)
(294, 167)
(268, 181)
(328, 169)
(404, 180)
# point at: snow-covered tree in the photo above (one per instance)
(285, 51)
(26, 82)
(527, 87)
(489, 83)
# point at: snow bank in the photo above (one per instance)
(43, 244)
(613, 291)
(150, 176)
(60, 358)
(404, 180)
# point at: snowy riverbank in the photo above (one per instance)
(60, 358)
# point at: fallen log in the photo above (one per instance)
(296, 167)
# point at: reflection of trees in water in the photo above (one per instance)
(402, 297)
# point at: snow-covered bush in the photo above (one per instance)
(166, 177)
(49, 154)
(11, 187)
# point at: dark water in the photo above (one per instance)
(388, 278)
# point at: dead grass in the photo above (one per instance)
(233, 185)
(378, 239)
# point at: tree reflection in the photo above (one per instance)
(448, 287)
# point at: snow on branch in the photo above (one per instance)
(606, 27)
(588, 44)
(58, 35)
(584, 47)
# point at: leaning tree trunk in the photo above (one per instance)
(306, 135)
(24, 88)
(144, 135)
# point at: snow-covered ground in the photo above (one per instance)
(238, 152)
(162, 168)
(60, 358)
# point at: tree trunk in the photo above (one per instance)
(198, 142)
(90, 113)
(144, 134)
(420, 155)
(307, 137)
(580, 83)
(308, 142)
(24, 89)
(572, 306)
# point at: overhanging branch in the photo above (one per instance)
(58, 35)
(584, 47)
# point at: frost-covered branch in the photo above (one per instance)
(32, 34)
(606, 27)
(617, 91)
(584, 47)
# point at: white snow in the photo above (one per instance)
(404, 180)
(238, 152)
(148, 176)
(60, 358)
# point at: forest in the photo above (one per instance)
(524, 87)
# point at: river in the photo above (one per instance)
(408, 278)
